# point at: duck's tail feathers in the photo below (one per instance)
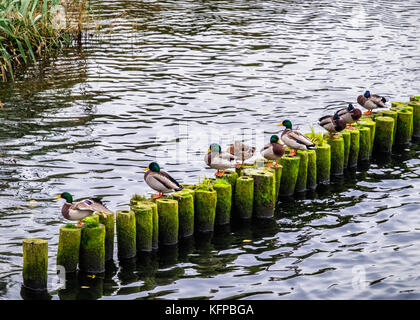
(311, 147)
(179, 189)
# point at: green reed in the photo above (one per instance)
(31, 29)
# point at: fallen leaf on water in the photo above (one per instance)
(1, 105)
(91, 276)
(246, 241)
(84, 287)
(32, 201)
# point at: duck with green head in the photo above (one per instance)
(273, 151)
(219, 160)
(81, 209)
(160, 180)
(294, 139)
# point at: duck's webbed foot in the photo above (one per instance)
(157, 196)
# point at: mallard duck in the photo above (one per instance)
(219, 160)
(294, 139)
(81, 209)
(371, 101)
(160, 180)
(332, 124)
(349, 115)
(241, 151)
(273, 150)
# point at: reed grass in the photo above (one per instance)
(32, 29)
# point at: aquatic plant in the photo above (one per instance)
(31, 29)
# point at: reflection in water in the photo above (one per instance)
(161, 80)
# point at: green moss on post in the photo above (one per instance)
(346, 137)
(92, 217)
(68, 248)
(205, 202)
(109, 223)
(337, 156)
(185, 212)
(244, 197)
(277, 178)
(230, 176)
(384, 137)
(92, 249)
(416, 118)
(126, 234)
(372, 126)
(311, 176)
(168, 221)
(224, 202)
(153, 206)
(394, 116)
(354, 148)
(264, 191)
(364, 143)
(404, 128)
(144, 227)
(323, 163)
(289, 175)
(35, 264)
(302, 178)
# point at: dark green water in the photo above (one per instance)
(162, 80)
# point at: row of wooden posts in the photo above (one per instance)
(248, 192)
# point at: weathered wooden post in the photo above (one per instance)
(69, 247)
(35, 264)
(168, 221)
(126, 234)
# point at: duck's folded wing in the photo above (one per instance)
(169, 182)
(324, 120)
(300, 138)
(227, 156)
(268, 145)
(90, 204)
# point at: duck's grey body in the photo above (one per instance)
(83, 209)
(296, 140)
(369, 103)
(349, 117)
(219, 160)
(331, 124)
(272, 151)
(161, 181)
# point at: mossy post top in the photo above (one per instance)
(36, 241)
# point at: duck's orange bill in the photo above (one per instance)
(58, 197)
(280, 124)
(146, 169)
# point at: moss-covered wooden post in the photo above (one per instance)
(403, 135)
(109, 223)
(126, 234)
(277, 177)
(337, 155)
(323, 163)
(35, 264)
(92, 248)
(264, 191)
(311, 176)
(346, 137)
(354, 148)
(302, 178)
(230, 176)
(289, 175)
(364, 144)
(68, 247)
(185, 212)
(205, 202)
(153, 206)
(415, 104)
(394, 115)
(92, 217)
(372, 126)
(224, 202)
(168, 221)
(244, 197)
(384, 137)
(144, 227)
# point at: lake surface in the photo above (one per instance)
(161, 80)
